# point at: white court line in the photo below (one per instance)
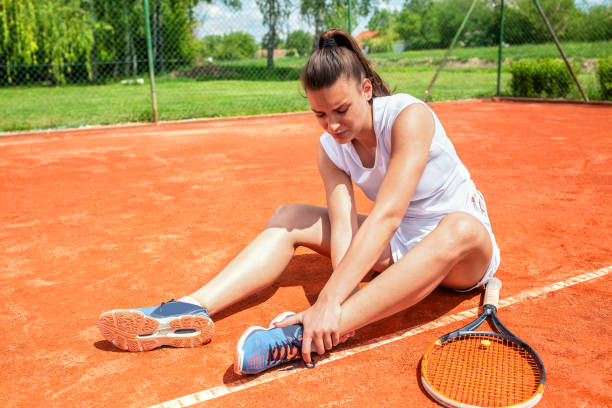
(245, 383)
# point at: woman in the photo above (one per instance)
(428, 226)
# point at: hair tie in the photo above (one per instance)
(329, 42)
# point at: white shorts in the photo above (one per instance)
(412, 231)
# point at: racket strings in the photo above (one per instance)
(483, 370)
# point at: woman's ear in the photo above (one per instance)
(367, 89)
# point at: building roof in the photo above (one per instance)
(365, 34)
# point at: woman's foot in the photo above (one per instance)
(175, 323)
(260, 349)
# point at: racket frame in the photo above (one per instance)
(489, 312)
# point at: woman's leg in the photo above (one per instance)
(456, 254)
(261, 263)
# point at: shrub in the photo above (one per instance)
(521, 83)
(378, 45)
(604, 76)
(535, 78)
(301, 41)
(233, 46)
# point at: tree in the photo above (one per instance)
(480, 29)
(417, 24)
(236, 45)
(301, 41)
(76, 40)
(53, 34)
(17, 36)
(592, 24)
(525, 25)
(325, 14)
(381, 20)
(274, 13)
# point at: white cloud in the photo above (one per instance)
(218, 19)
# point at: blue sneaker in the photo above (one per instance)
(260, 349)
(176, 324)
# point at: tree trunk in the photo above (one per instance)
(271, 34)
(160, 37)
(319, 21)
(93, 53)
(128, 41)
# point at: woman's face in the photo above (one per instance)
(343, 109)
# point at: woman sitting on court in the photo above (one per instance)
(428, 226)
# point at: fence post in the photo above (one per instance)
(150, 58)
(501, 45)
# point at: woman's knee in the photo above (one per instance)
(283, 216)
(296, 216)
(464, 234)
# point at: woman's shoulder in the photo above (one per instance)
(387, 108)
(396, 100)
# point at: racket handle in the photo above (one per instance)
(491, 296)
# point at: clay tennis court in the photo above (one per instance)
(129, 216)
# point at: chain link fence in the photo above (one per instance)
(85, 62)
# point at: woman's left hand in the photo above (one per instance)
(320, 327)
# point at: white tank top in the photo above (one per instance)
(442, 186)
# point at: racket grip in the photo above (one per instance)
(491, 296)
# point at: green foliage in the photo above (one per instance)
(301, 41)
(53, 35)
(593, 24)
(277, 42)
(381, 20)
(59, 41)
(433, 24)
(323, 14)
(535, 78)
(237, 45)
(569, 22)
(604, 77)
(379, 44)
(17, 35)
(417, 25)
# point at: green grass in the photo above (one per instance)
(24, 108)
(574, 50)
(256, 89)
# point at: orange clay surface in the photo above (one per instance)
(119, 217)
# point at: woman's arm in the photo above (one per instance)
(340, 205)
(411, 138)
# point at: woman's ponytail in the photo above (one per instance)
(338, 55)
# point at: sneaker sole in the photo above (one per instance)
(131, 330)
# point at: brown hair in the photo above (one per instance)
(338, 55)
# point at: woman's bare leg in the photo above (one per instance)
(455, 254)
(261, 263)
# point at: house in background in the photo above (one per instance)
(365, 35)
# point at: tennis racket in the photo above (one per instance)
(469, 368)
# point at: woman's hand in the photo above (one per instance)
(321, 324)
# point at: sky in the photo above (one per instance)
(217, 19)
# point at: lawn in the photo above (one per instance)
(248, 87)
(25, 108)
